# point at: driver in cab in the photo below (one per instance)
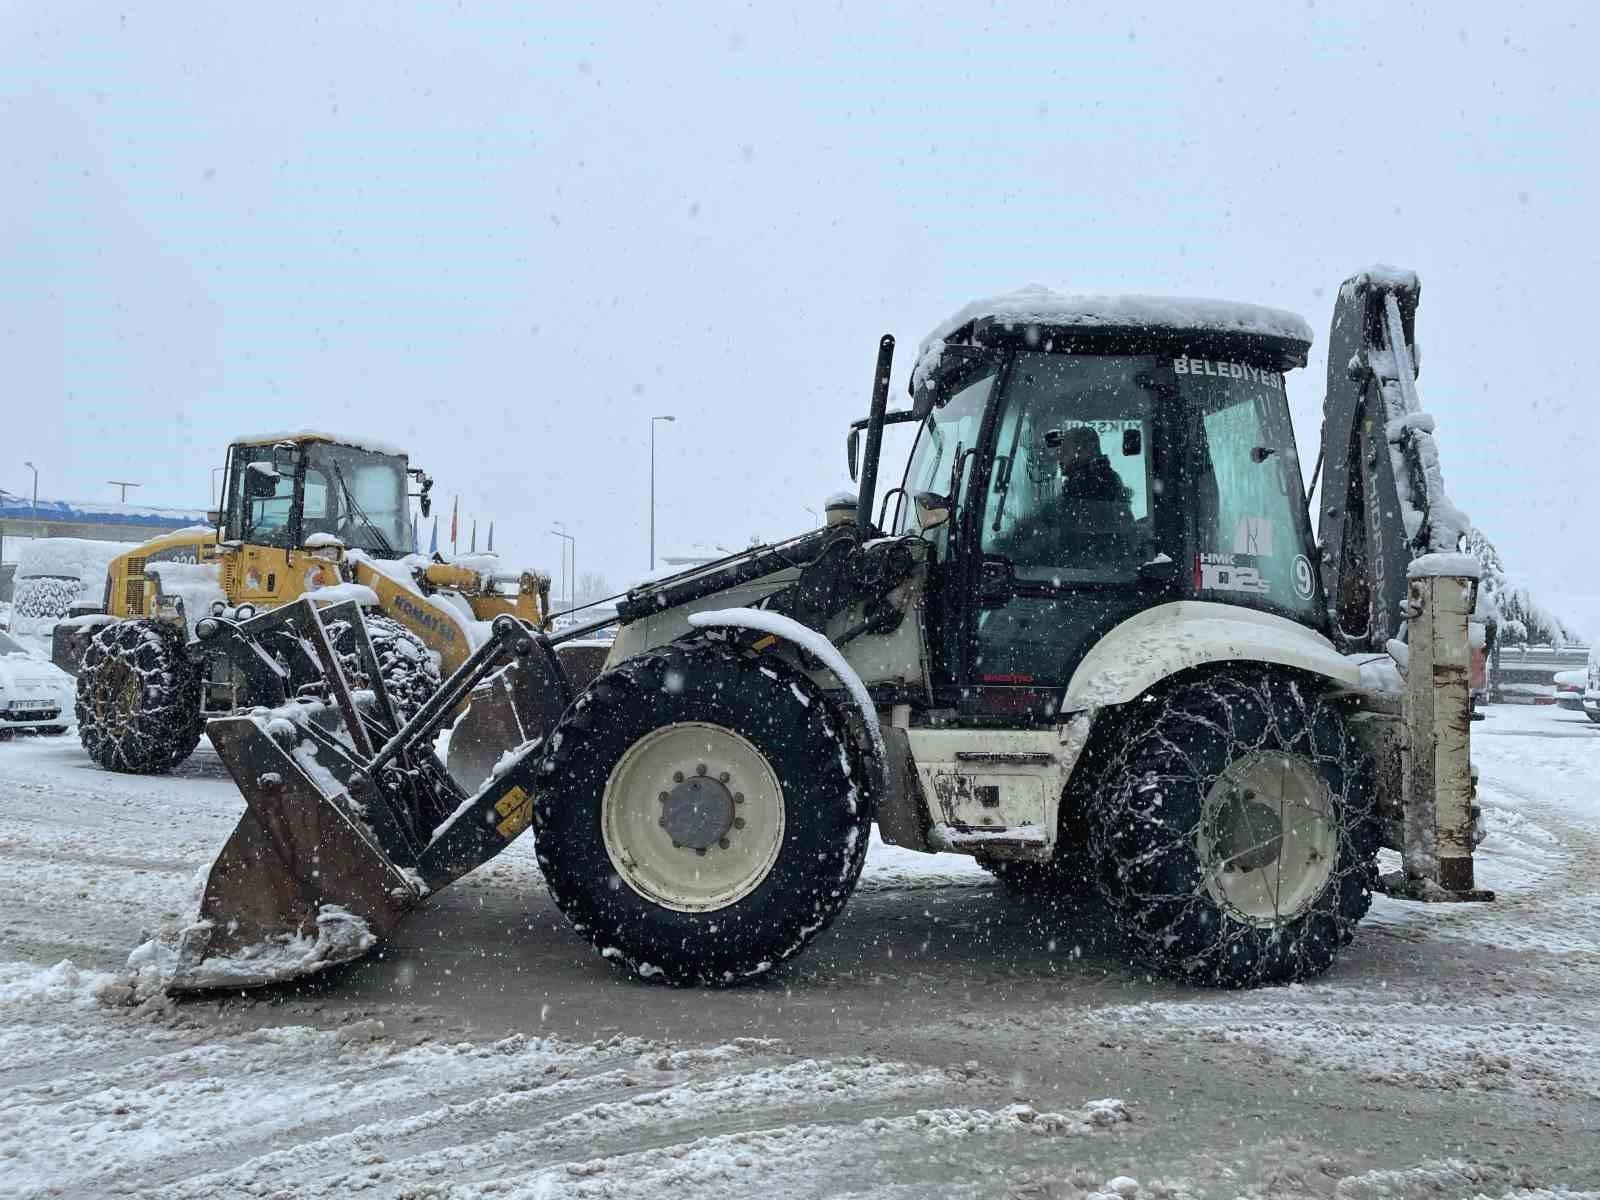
(1089, 521)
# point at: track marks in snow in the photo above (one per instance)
(124, 1101)
(1415, 1045)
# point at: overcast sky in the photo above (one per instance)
(505, 236)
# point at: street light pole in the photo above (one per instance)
(574, 542)
(653, 421)
(124, 485)
(35, 471)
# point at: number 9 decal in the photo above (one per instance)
(1304, 582)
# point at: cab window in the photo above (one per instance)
(260, 498)
(1070, 491)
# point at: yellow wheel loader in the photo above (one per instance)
(304, 515)
(1094, 638)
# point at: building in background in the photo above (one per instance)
(21, 520)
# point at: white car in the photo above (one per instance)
(34, 695)
(1591, 692)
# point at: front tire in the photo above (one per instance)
(1235, 835)
(138, 701)
(702, 814)
(410, 673)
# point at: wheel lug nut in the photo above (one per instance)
(723, 842)
(677, 777)
(738, 822)
(700, 770)
(677, 845)
(701, 852)
(723, 776)
(738, 797)
(662, 797)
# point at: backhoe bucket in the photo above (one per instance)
(301, 884)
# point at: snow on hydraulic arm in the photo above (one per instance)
(1088, 647)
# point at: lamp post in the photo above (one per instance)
(574, 576)
(124, 485)
(35, 471)
(653, 421)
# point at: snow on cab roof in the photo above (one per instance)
(1038, 305)
(313, 435)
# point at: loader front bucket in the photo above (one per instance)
(302, 884)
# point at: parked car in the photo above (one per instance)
(1591, 691)
(1570, 686)
(34, 694)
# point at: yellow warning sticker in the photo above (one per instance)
(517, 809)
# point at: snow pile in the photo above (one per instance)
(53, 574)
(1038, 305)
(156, 965)
(312, 435)
(336, 593)
(74, 558)
(64, 983)
(197, 585)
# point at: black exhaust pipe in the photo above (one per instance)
(880, 405)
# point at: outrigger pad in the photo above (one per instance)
(301, 884)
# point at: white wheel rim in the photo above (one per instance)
(692, 817)
(1268, 838)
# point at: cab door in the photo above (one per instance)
(939, 478)
(263, 521)
(1066, 533)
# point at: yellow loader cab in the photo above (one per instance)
(303, 514)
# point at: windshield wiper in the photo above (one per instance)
(384, 545)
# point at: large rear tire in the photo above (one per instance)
(703, 813)
(138, 701)
(1234, 830)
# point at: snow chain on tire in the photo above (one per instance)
(410, 674)
(1162, 872)
(763, 718)
(138, 700)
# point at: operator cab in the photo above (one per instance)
(1081, 459)
(280, 491)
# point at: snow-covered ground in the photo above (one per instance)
(942, 1040)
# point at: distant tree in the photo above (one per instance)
(1520, 617)
(592, 586)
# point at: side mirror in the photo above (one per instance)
(285, 457)
(1132, 442)
(213, 517)
(261, 481)
(933, 510)
(852, 452)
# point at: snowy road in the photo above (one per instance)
(942, 1040)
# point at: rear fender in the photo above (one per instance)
(1161, 642)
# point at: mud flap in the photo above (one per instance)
(301, 884)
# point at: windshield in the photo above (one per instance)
(948, 433)
(358, 496)
(1251, 532)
